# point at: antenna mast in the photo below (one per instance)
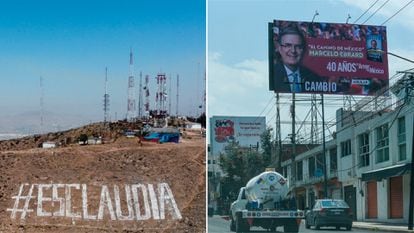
(140, 96)
(41, 105)
(131, 93)
(147, 94)
(178, 85)
(106, 97)
(169, 97)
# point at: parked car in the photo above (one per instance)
(329, 212)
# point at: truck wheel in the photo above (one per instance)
(348, 228)
(307, 226)
(241, 225)
(291, 226)
(317, 226)
(232, 225)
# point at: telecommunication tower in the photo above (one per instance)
(140, 96)
(161, 95)
(106, 98)
(131, 92)
(178, 85)
(41, 105)
(147, 94)
(169, 96)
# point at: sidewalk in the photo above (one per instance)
(381, 227)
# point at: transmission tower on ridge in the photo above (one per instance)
(41, 105)
(106, 98)
(178, 85)
(131, 92)
(140, 96)
(161, 95)
(169, 96)
(147, 94)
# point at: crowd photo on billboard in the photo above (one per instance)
(327, 58)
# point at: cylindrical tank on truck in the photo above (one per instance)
(265, 201)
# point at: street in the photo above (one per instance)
(217, 224)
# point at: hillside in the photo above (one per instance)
(119, 186)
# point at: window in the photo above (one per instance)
(284, 171)
(299, 170)
(382, 144)
(319, 165)
(363, 149)
(345, 148)
(311, 166)
(333, 160)
(402, 151)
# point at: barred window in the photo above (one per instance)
(363, 149)
(382, 144)
(345, 148)
(402, 150)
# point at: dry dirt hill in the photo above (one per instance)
(123, 187)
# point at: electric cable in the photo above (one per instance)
(376, 11)
(365, 11)
(397, 12)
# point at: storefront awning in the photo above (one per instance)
(383, 173)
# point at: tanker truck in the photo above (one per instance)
(265, 202)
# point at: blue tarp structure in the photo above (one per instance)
(162, 137)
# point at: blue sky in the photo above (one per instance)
(69, 44)
(238, 47)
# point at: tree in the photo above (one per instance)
(240, 164)
(267, 146)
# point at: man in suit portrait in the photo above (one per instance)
(288, 73)
(374, 53)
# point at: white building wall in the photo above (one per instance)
(382, 200)
(406, 196)
(360, 198)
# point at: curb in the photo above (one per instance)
(382, 228)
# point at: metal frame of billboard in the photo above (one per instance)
(338, 58)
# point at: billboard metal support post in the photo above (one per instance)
(324, 151)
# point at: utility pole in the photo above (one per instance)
(325, 183)
(411, 207)
(293, 154)
(278, 138)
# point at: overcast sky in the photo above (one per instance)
(238, 48)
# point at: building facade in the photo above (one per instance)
(368, 165)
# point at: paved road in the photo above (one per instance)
(217, 224)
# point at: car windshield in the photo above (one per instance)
(334, 204)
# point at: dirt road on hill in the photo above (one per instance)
(116, 187)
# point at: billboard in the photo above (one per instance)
(327, 58)
(245, 130)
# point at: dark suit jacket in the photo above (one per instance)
(281, 81)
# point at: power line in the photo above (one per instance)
(267, 105)
(397, 12)
(376, 11)
(365, 11)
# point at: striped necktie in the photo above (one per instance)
(296, 84)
